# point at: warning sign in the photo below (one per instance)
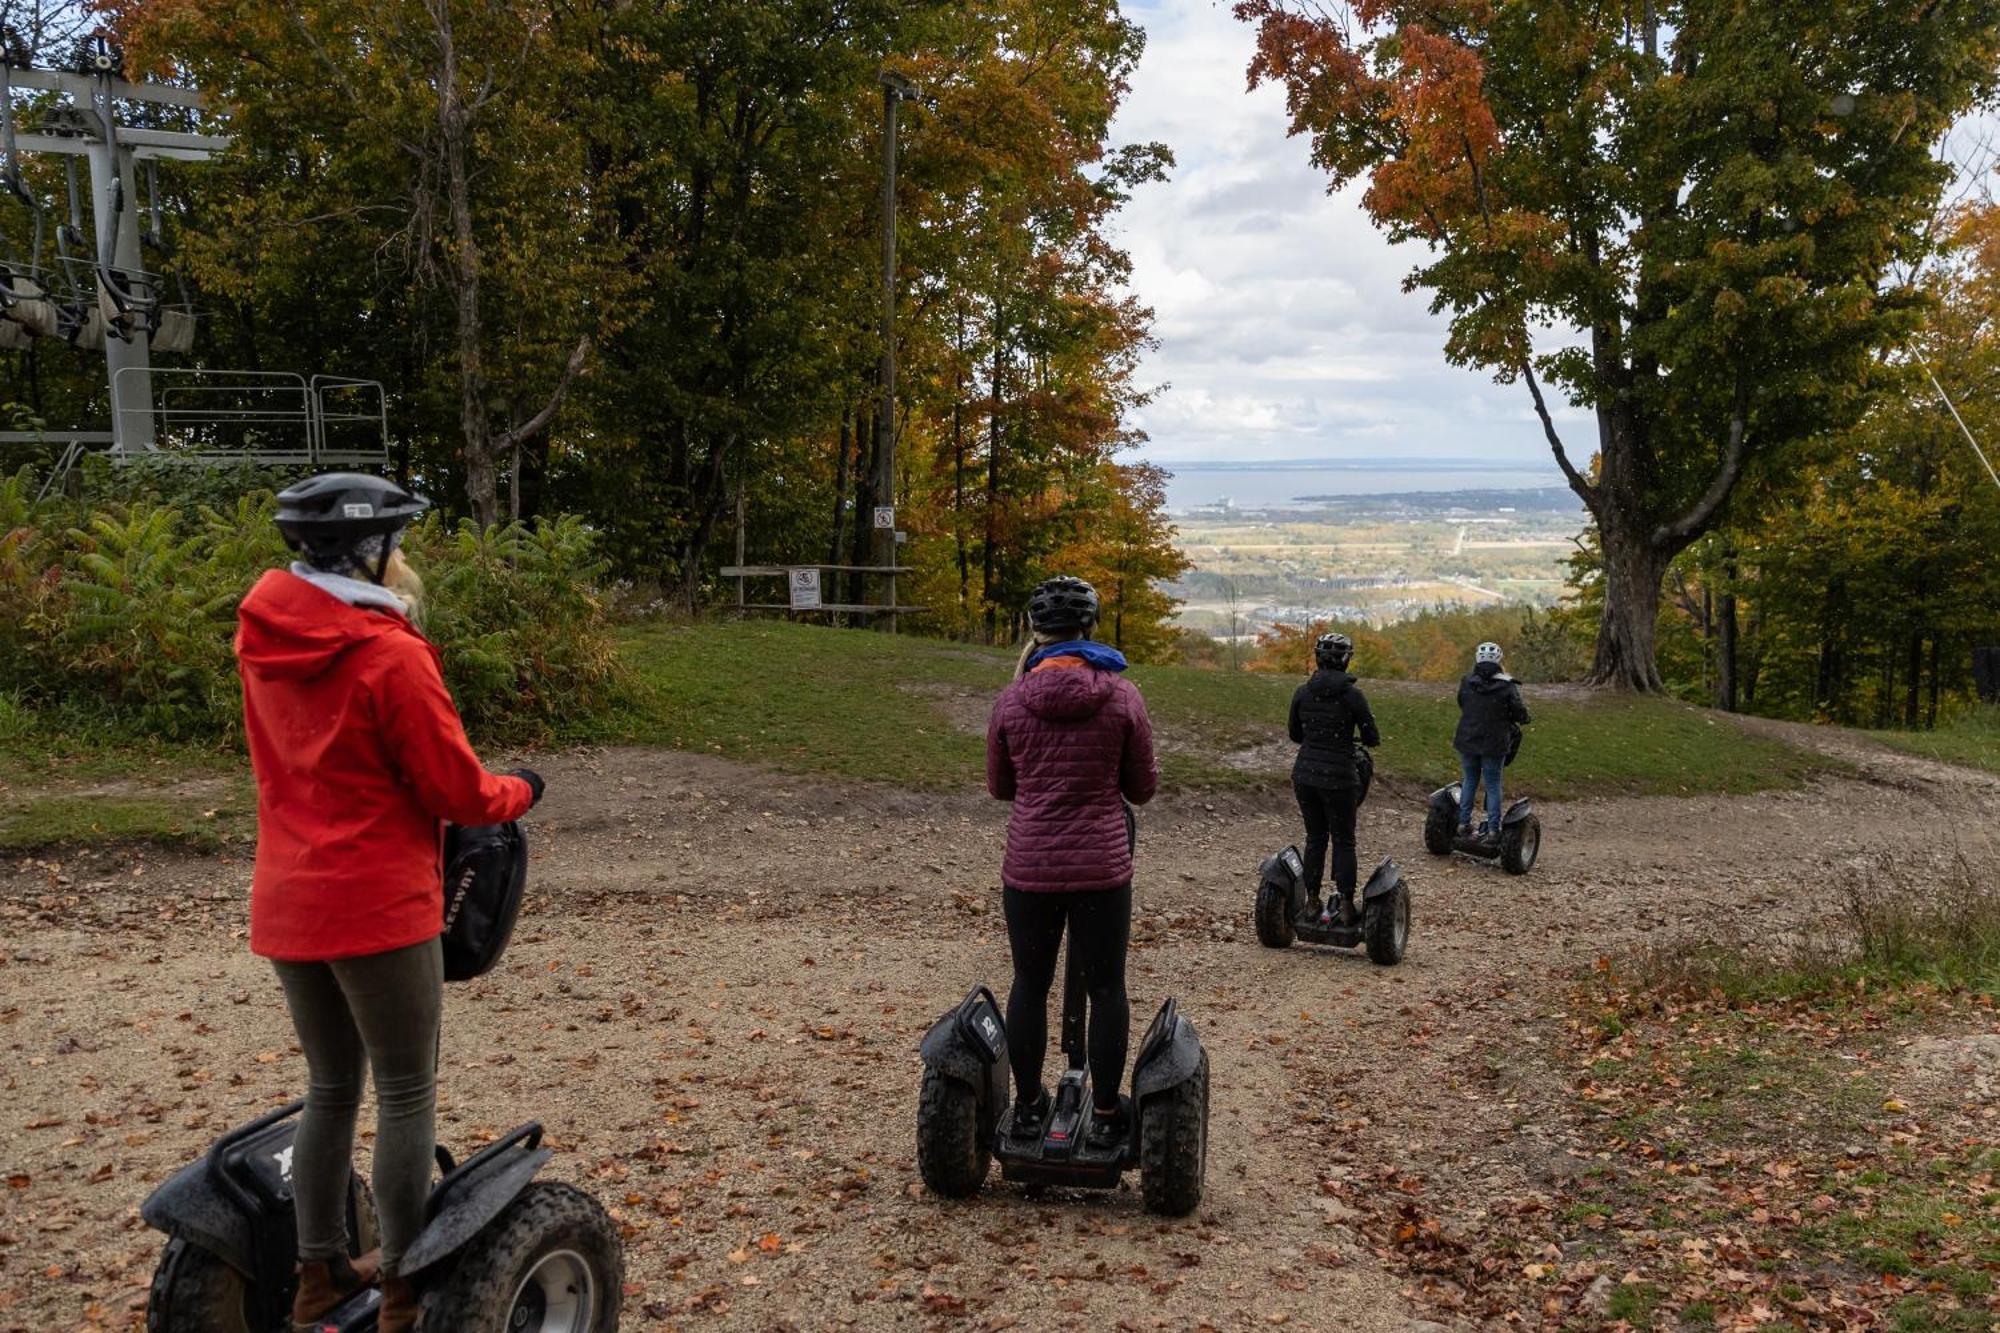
(805, 589)
(885, 517)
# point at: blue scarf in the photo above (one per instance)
(1102, 656)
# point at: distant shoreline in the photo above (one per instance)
(1360, 465)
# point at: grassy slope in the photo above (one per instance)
(907, 711)
(902, 710)
(1972, 740)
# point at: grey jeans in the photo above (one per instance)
(378, 1012)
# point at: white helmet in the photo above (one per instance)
(1487, 652)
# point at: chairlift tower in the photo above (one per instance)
(87, 125)
(107, 299)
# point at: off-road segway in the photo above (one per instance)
(1515, 849)
(964, 1119)
(1284, 913)
(500, 1251)
(1515, 844)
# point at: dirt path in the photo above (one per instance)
(715, 999)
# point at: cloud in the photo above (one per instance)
(1284, 331)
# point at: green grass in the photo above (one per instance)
(1972, 740)
(1931, 1227)
(39, 822)
(907, 711)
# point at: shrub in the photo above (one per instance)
(120, 613)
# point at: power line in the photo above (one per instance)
(1952, 408)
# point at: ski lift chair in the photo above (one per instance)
(173, 322)
(27, 307)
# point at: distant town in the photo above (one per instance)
(1372, 558)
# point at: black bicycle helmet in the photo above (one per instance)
(1063, 605)
(1334, 651)
(327, 518)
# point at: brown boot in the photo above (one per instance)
(399, 1306)
(323, 1286)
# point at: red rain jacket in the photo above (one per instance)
(359, 753)
(1069, 744)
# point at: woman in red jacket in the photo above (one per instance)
(1069, 744)
(359, 754)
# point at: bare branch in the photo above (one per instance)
(534, 425)
(1678, 532)
(1584, 490)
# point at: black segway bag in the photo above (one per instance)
(485, 878)
(1513, 743)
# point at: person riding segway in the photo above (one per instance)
(1329, 714)
(1491, 715)
(1070, 745)
(359, 757)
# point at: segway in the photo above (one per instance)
(499, 1252)
(964, 1119)
(1284, 913)
(1515, 849)
(1514, 845)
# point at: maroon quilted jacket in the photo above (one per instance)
(1069, 744)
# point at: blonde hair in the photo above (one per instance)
(399, 578)
(1036, 641)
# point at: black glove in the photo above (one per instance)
(535, 784)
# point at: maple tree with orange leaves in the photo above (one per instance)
(1702, 207)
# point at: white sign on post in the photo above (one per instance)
(885, 517)
(805, 589)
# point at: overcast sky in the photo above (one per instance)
(1284, 331)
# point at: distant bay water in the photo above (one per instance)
(1259, 485)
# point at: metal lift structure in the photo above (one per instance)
(100, 296)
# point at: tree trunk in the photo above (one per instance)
(1633, 569)
(1913, 682)
(840, 489)
(864, 504)
(958, 479)
(991, 567)
(1725, 686)
(482, 484)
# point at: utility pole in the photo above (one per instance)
(895, 89)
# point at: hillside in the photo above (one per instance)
(1673, 1079)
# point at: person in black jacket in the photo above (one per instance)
(1489, 710)
(1328, 712)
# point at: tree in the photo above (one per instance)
(475, 178)
(1709, 193)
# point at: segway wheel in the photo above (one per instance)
(1274, 917)
(1173, 1145)
(1438, 830)
(1520, 844)
(1385, 926)
(550, 1263)
(952, 1155)
(193, 1291)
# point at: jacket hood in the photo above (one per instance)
(1066, 693)
(288, 629)
(1327, 683)
(1097, 654)
(1488, 676)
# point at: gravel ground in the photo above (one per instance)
(714, 1002)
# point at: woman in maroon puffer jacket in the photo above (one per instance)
(1069, 744)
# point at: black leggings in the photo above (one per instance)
(1100, 922)
(1329, 811)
